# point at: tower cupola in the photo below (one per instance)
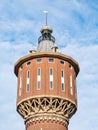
(46, 34)
(46, 93)
(46, 41)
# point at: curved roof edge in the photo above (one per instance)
(46, 54)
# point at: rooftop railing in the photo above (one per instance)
(41, 38)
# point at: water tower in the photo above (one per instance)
(46, 94)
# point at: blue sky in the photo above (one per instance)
(75, 26)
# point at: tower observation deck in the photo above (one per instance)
(46, 94)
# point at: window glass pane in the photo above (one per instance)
(28, 88)
(38, 72)
(28, 74)
(61, 62)
(39, 60)
(51, 84)
(51, 60)
(70, 66)
(62, 86)
(38, 84)
(71, 85)
(62, 73)
(51, 71)
(28, 63)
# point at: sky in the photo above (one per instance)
(75, 27)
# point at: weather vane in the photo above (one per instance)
(46, 12)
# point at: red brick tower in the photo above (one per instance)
(46, 95)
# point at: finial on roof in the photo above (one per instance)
(46, 12)
(46, 27)
(46, 41)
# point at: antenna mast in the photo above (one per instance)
(46, 12)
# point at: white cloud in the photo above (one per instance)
(87, 84)
(87, 56)
(76, 30)
(9, 53)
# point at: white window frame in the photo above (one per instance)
(62, 80)
(38, 78)
(28, 81)
(51, 77)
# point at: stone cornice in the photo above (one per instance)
(46, 54)
(47, 118)
(46, 105)
(38, 96)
